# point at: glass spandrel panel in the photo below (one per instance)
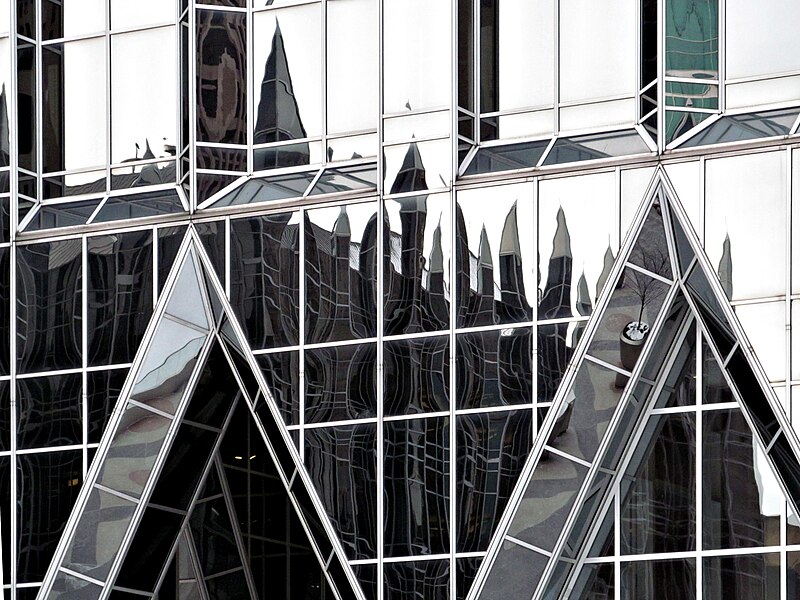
(674, 579)
(575, 248)
(98, 534)
(587, 410)
(49, 292)
(609, 69)
(341, 272)
(55, 216)
(494, 368)
(742, 577)
(74, 105)
(596, 146)
(416, 487)
(692, 39)
(416, 375)
(417, 252)
(547, 501)
(346, 179)
(352, 65)
(134, 206)
(658, 513)
(418, 79)
(515, 572)
(187, 301)
(508, 157)
(277, 187)
(495, 256)
(491, 452)
(143, 84)
(168, 365)
(628, 318)
(749, 266)
(742, 501)
(422, 579)
(137, 441)
(737, 128)
(264, 270)
(287, 55)
(221, 79)
(342, 463)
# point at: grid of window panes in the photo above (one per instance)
(413, 331)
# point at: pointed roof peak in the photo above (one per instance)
(509, 241)
(485, 250)
(562, 244)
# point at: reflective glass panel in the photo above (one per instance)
(62, 215)
(340, 383)
(68, 18)
(515, 573)
(133, 206)
(148, 12)
(755, 576)
(759, 42)
(143, 84)
(282, 373)
(428, 579)
(596, 146)
(342, 462)
(495, 256)
(736, 128)
(417, 255)
(494, 368)
(341, 272)
(416, 486)
(416, 375)
(346, 179)
(417, 166)
(491, 451)
(507, 158)
(49, 411)
(674, 579)
(278, 187)
(692, 39)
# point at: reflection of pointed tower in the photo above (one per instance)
(278, 116)
(725, 269)
(513, 305)
(436, 283)
(481, 308)
(554, 353)
(4, 133)
(411, 177)
(608, 264)
(583, 306)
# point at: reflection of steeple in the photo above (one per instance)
(278, 116)
(411, 177)
(562, 245)
(148, 152)
(4, 133)
(725, 269)
(584, 302)
(608, 264)
(514, 304)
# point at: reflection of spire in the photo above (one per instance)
(583, 304)
(608, 264)
(4, 133)
(725, 270)
(484, 250)
(561, 241)
(278, 116)
(148, 152)
(485, 266)
(411, 177)
(509, 242)
(437, 256)
(514, 305)
(342, 225)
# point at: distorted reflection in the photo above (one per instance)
(692, 39)
(428, 579)
(416, 376)
(417, 253)
(341, 272)
(596, 146)
(342, 462)
(507, 158)
(49, 411)
(491, 451)
(340, 383)
(674, 579)
(742, 577)
(495, 256)
(417, 166)
(416, 488)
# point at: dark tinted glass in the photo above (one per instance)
(341, 383)
(49, 411)
(405, 581)
(416, 375)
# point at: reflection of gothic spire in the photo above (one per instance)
(437, 256)
(278, 116)
(4, 133)
(411, 177)
(562, 245)
(512, 283)
(608, 264)
(341, 228)
(485, 266)
(584, 303)
(148, 152)
(725, 269)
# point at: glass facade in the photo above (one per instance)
(382, 299)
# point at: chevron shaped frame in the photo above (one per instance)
(154, 394)
(522, 568)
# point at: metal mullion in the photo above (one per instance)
(39, 101)
(13, 528)
(237, 534)
(556, 73)
(155, 473)
(194, 561)
(379, 300)
(534, 357)
(107, 92)
(661, 47)
(111, 427)
(632, 445)
(209, 466)
(250, 86)
(84, 353)
(191, 98)
(301, 323)
(564, 388)
(453, 418)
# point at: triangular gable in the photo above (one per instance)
(608, 416)
(192, 380)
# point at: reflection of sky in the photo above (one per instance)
(84, 103)
(301, 29)
(746, 194)
(436, 157)
(90, 16)
(125, 14)
(358, 216)
(490, 207)
(589, 208)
